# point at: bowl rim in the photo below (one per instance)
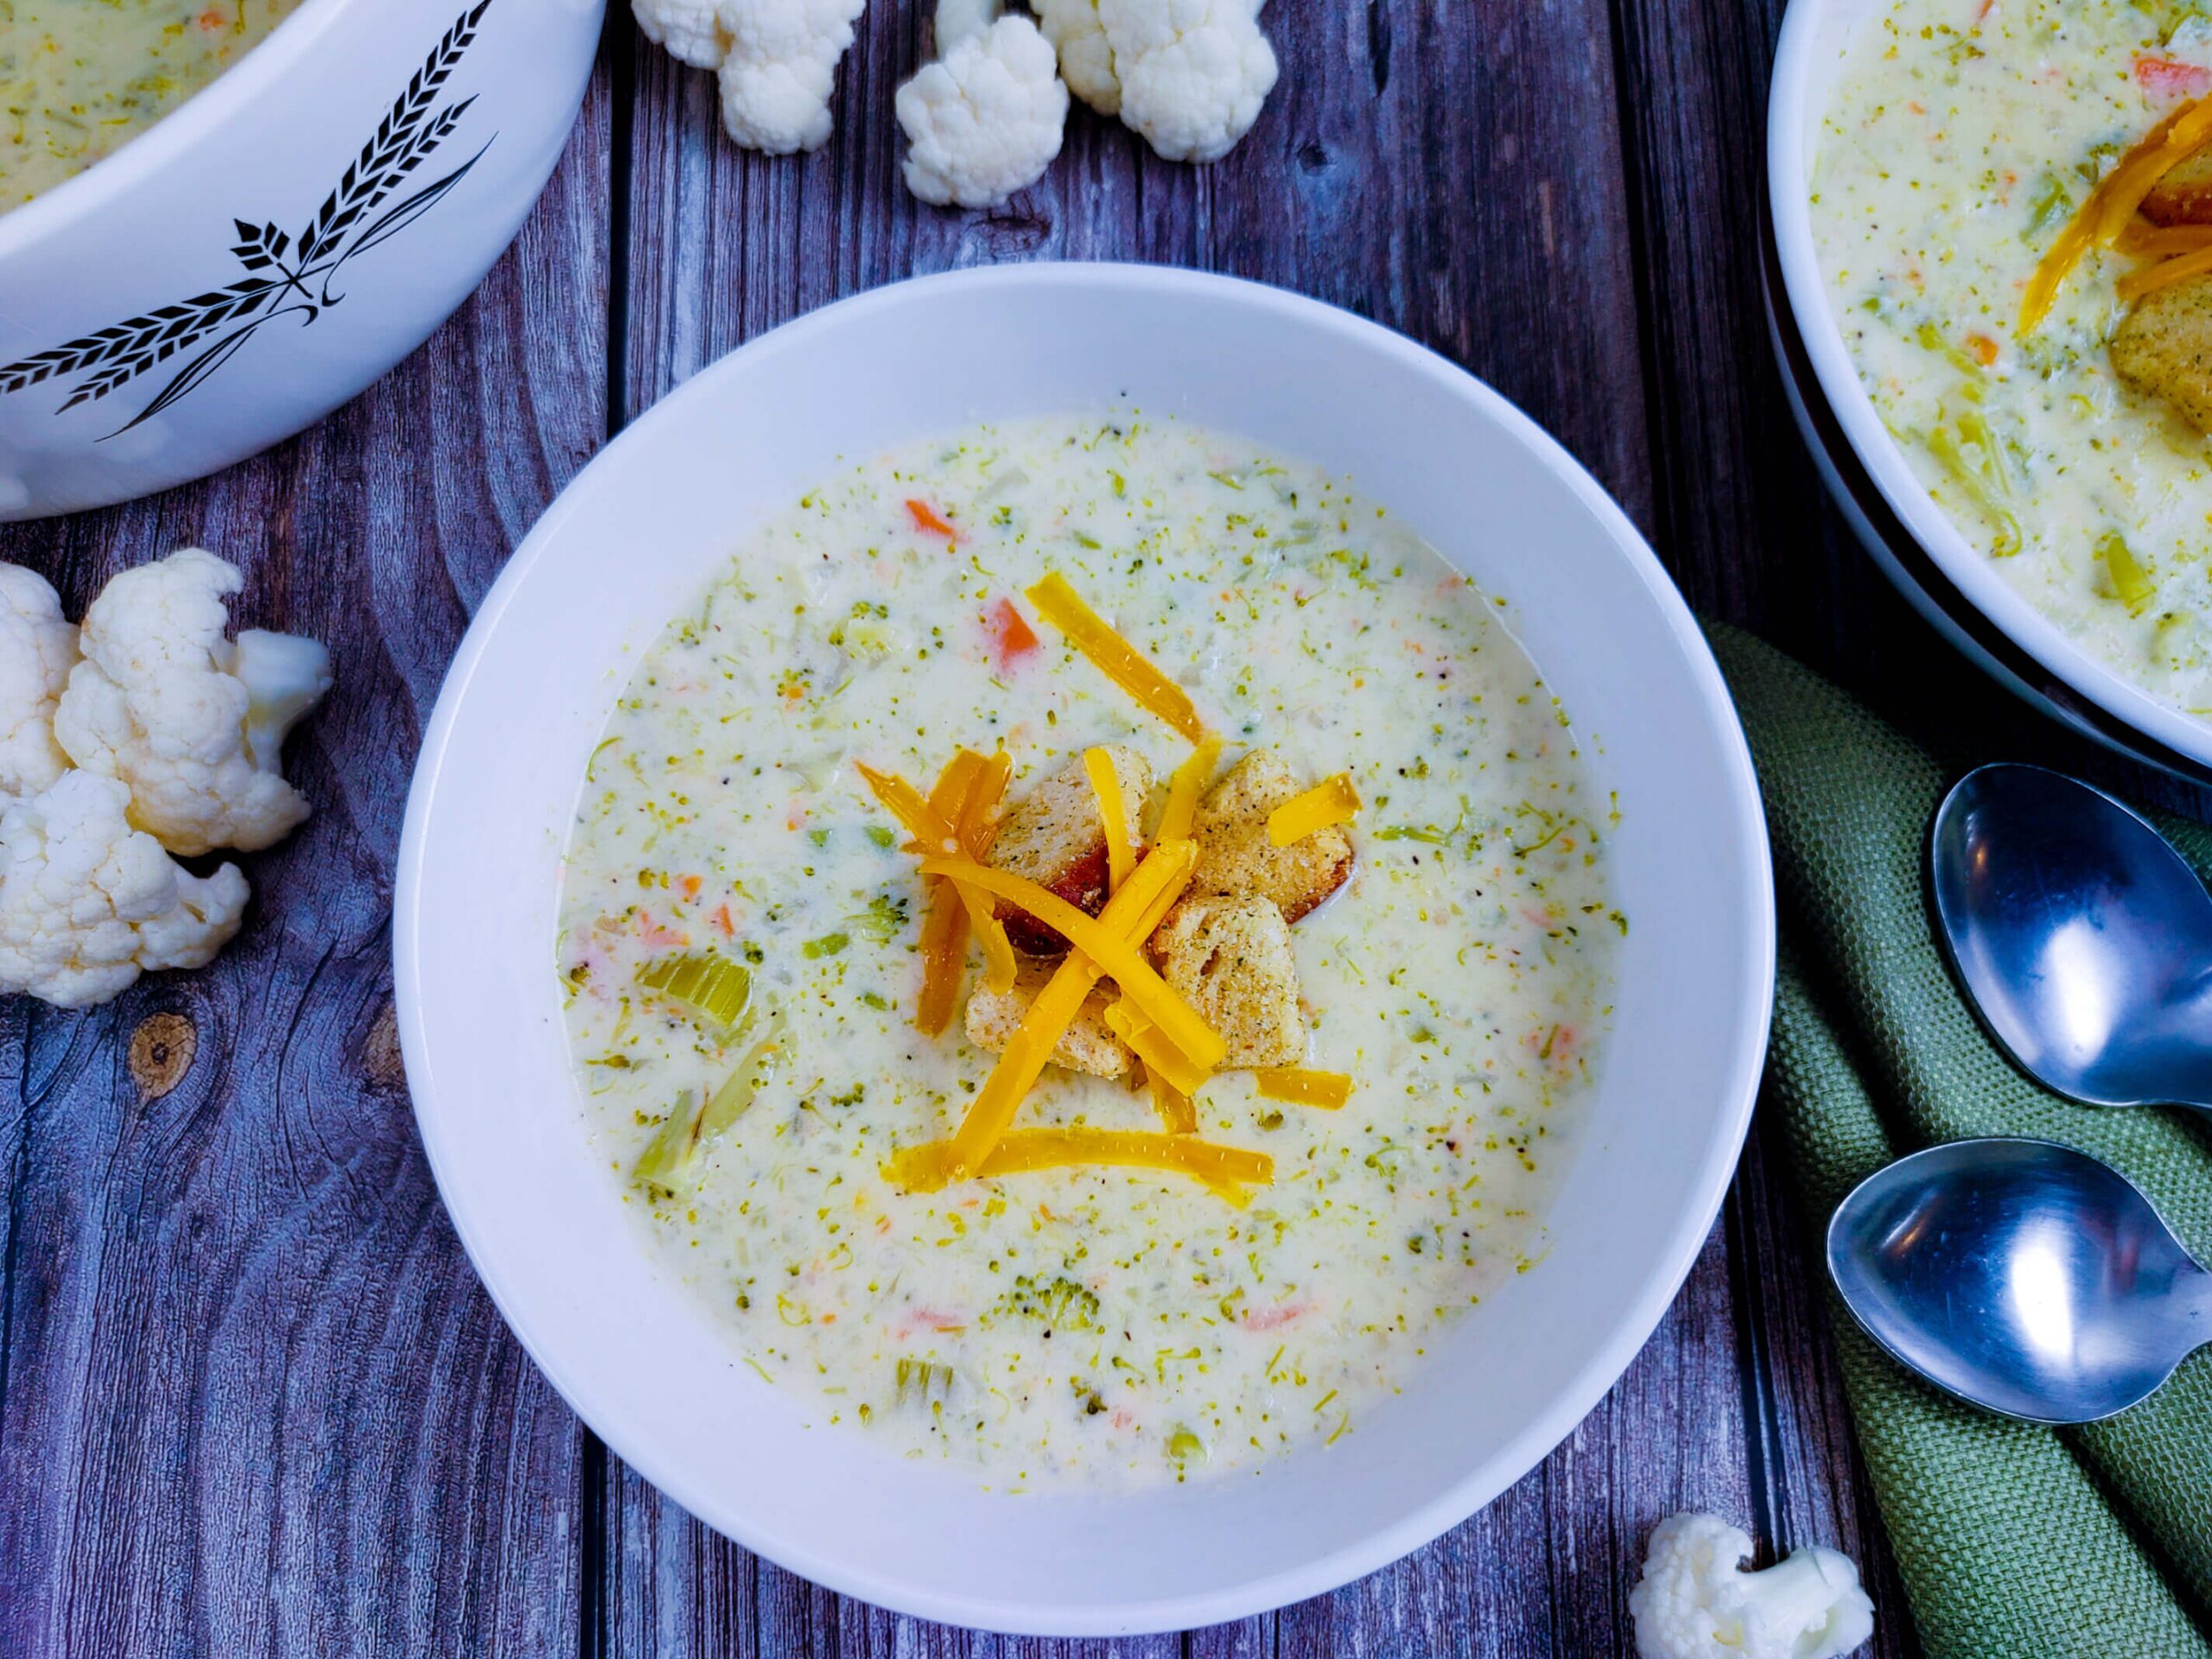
(1974, 574)
(1698, 1206)
(84, 193)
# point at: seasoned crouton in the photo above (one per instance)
(1089, 1044)
(1052, 836)
(1236, 856)
(2184, 196)
(2164, 348)
(1230, 960)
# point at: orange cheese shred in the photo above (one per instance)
(1224, 1170)
(2144, 240)
(1112, 953)
(2105, 215)
(1185, 786)
(1162, 1059)
(1176, 1114)
(2165, 273)
(944, 943)
(1132, 913)
(1326, 1089)
(905, 802)
(1059, 604)
(1333, 800)
(1113, 817)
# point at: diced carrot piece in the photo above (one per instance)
(925, 517)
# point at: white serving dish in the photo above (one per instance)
(149, 335)
(633, 540)
(1955, 586)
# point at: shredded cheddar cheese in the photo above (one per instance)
(1113, 953)
(1326, 1089)
(1113, 817)
(1137, 910)
(1332, 801)
(2164, 274)
(905, 802)
(1224, 1170)
(1059, 604)
(2111, 207)
(1176, 1114)
(1184, 789)
(1162, 1059)
(2144, 240)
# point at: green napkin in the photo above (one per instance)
(2014, 1543)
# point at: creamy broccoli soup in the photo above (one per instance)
(1963, 139)
(1317, 829)
(81, 79)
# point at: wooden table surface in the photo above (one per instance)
(252, 1398)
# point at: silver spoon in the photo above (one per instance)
(2082, 939)
(2022, 1276)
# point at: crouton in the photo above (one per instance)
(1053, 836)
(1088, 1045)
(2184, 196)
(1237, 858)
(1230, 960)
(2164, 348)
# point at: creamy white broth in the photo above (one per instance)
(81, 79)
(1101, 1324)
(1960, 140)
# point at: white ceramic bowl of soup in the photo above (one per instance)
(633, 541)
(279, 241)
(1955, 585)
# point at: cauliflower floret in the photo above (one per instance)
(1193, 72)
(691, 31)
(190, 722)
(1694, 1602)
(986, 120)
(87, 903)
(781, 68)
(38, 647)
(1086, 58)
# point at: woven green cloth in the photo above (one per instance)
(2014, 1543)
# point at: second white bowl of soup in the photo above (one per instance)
(1355, 740)
(221, 219)
(1927, 159)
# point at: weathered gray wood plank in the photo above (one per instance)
(253, 1400)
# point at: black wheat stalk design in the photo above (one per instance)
(280, 269)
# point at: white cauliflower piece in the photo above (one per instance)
(690, 31)
(1086, 56)
(963, 20)
(87, 903)
(1694, 1602)
(986, 120)
(38, 647)
(190, 722)
(781, 68)
(1193, 72)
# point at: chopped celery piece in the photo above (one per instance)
(828, 945)
(924, 1381)
(2130, 582)
(687, 1130)
(1932, 339)
(761, 1062)
(712, 988)
(2047, 205)
(1975, 459)
(665, 1153)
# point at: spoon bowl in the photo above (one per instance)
(2022, 1276)
(2082, 937)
